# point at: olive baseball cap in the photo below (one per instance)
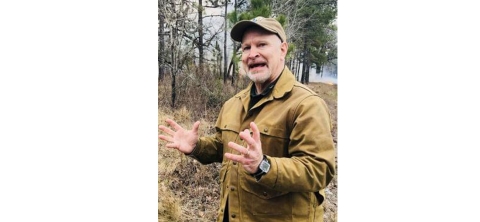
(269, 24)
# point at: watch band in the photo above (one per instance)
(258, 175)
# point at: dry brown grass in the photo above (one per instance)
(188, 190)
(169, 208)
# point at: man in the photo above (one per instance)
(273, 138)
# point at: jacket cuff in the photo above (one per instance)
(196, 150)
(270, 178)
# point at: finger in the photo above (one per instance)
(247, 155)
(256, 132)
(240, 159)
(195, 126)
(245, 135)
(173, 124)
(172, 145)
(235, 158)
(166, 138)
(237, 147)
(166, 130)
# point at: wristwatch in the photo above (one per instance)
(263, 168)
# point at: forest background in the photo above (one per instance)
(199, 69)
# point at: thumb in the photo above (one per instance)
(195, 127)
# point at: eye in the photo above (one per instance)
(246, 48)
(262, 44)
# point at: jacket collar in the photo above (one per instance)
(283, 86)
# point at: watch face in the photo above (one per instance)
(264, 166)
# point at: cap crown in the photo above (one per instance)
(268, 24)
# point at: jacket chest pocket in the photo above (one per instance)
(229, 134)
(261, 200)
(275, 140)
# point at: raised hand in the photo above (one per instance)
(252, 155)
(180, 138)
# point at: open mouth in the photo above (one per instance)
(253, 66)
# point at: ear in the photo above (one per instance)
(283, 50)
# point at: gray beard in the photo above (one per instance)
(258, 78)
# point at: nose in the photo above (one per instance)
(253, 53)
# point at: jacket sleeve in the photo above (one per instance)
(209, 149)
(312, 163)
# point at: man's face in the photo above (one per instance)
(263, 55)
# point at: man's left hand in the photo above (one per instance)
(250, 156)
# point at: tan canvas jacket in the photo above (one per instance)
(295, 128)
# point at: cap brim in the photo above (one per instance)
(239, 29)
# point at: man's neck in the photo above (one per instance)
(261, 86)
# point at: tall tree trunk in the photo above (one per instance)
(173, 36)
(173, 77)
(161, 50)
(302, 79)
(200, 35)
(234, 45)
(225, 47)
(174, 95)
(297, 67)
(297, 72)
(305, 65)
(219, 64)
(307, 73)
(232, 64)
(233, 74)
(292, 64)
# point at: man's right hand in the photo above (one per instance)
(180, 138)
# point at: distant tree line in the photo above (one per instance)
(189, 47)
